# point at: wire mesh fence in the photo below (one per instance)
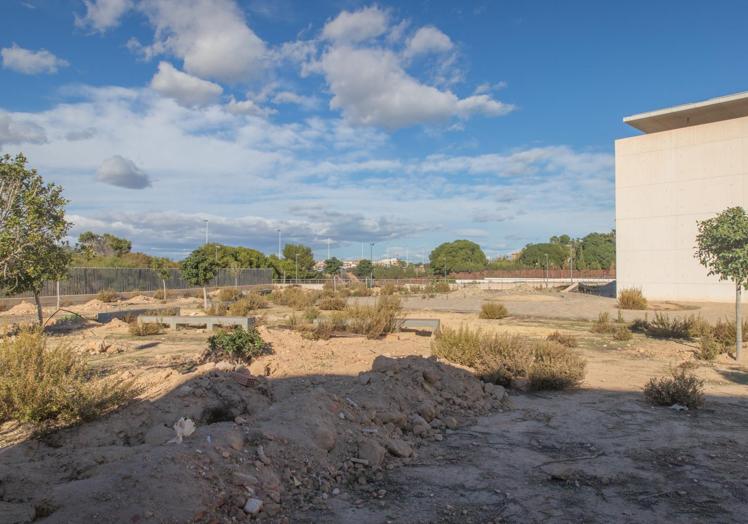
(92, 280)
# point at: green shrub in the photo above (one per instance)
(681, 388)
(235, 345)
(725, 333)
(622, 333)
(144, 330)
(311, 314)
(631, 298)
(493, 310)
(332, 303)
(501, 358)
(108, 296)
(663, 326)
(245, 305)
(229, 294)
(41, 384)
(570, 341)
(709, 348)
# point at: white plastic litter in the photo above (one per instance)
(184, 428)
(679, 407)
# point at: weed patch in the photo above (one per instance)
(631, 298)
(681, 387)
(236, 345)
(493, 310)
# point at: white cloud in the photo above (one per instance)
(13, 131)
(289, 97)
(247, 107)
(102, 14)
(358, 26)
(210, 36)
(371, 87)
(122, 172)
(31, 62)
(186, 89)
(426, 40)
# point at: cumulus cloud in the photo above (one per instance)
(122, 172)
(210, 36)
(371, 87)
(30, 62)
(289, 97)
(358, 26)
(101, 15)
(426, 40)
(13, 131)
(247, 107)
(186, 89)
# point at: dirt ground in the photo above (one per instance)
(356, 430)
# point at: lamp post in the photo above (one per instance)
(371, 260)
(279, 244)
(206, 230)
(297, 267)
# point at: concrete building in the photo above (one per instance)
(690, 163)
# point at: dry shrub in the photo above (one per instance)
(331, 303)
(438, 287)
(294, 297)
(108, 295)
(144, 329)
(663, 326)
(501, 358)
(42, 384)
(602, 324)
(245, 305)
(229, 294)
(622, 333)
(388, 289)
(681, 387)
(193, 293)
(493, 311)
(217, 309)
(725, 333)
(570, 341)
(360, 290)
(374, 321)
(159, 295)
(555, 367)
(631, 298)
(311, 314)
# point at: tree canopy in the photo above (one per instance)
(333, 265)
(32, 230)
(722, 245)
(460, 255)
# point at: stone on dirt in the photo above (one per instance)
(398, 448)
(253, 506)
(372, 452)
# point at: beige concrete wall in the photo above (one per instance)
(665, 182)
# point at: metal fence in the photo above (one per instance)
(91, 280)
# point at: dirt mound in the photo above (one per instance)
(115, 323)
(256, 448)
(22, 308)
(140, 299)
(92, 306)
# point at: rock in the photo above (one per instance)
(398, 448)
(235, 438)
(16, 513)
(364, 378)
(261, 455)
(335, 492)
(324, 438)
(499, 392)
(372, 452)
(431, 376)
(451, 422)
(421, 429)
(520, 384)
(418, 420)
(427, 410)
(253, 506)
(392, 417)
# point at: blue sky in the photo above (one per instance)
(404, 124)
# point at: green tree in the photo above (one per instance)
(460, 255)
(722, 247)
(199, 269)
(364, 268)
(596, 251)
(32, 230)
(534, 255)
(162, 267)
(333, 265)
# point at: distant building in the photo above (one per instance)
(690, 164)
(387, 262)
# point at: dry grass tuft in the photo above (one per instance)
(41, 384)
(681, 387)
(245, 305)
(570, 341)
(144, 330)
(332, 303)
(631, 298)
(374, 321)
(493, 311)
(108, 296)
(229, 294)
(294, 297)
(622, 333)
(501, 358)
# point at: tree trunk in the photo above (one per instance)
(738, 322)
(39, 313)
(164, 282)
(205, 298)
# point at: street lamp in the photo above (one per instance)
(371, 259)
(206, 230)
(297, 267)
(279, 244)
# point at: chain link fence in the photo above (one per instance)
(92, 280)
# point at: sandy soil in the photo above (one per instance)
(293, 428)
